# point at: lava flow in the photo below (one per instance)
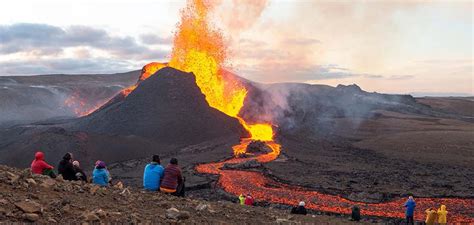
(265, 189)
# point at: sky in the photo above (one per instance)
(389, 46)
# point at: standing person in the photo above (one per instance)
(249, 199)
(80, 175)
(241, 199)
(430, 216)
(300, 209)
(39, 166)
(172, 177)
(100, 175)
(66, 169)
(410, 209)
(442, 213)
(153, 174)
(355, 215)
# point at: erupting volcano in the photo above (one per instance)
(199, 49)
(332, 147)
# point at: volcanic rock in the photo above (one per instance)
(249, 164)
(29, 206)
(258, 147)
(32, 217)
(173, 213)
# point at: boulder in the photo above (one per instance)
(202, 207)
(174, 213)
(32, 217)
(31, 181)
(90, 217)
(29, 206)
(48, 183)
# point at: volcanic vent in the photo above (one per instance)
(168, 107)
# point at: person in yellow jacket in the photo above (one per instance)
(442, 214)
(242, 199)
(430, 216)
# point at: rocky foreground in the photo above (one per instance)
(39, 199)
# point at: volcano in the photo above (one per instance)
(167, 108)
(164, 113)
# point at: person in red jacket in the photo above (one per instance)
(249, 200)
(39, 166)
(172, 178)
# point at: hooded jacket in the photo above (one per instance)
(410, 205)
(430, 216)
(39, 165)
(172, 176)
(66, 169)
(442, 214)
(241, 199)
(100, 176)
(152, 176)
(249, 200)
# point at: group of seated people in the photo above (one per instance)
(71, 170)
(155, 177)
(168, 180)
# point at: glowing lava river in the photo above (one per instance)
(268, 190)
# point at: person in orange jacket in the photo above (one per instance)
(442, 213)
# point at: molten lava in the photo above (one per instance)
(265, 189)
(79, 104)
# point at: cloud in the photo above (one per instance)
(64, 66)
(43, 48)
(152, 39)
(46, 40)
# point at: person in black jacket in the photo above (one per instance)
(355, 215)
(66, 169)
(300, 209)
(80, 175)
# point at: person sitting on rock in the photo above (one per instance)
(39, 166)
(249, 200)
(80, 175)
(242, 199)
(355, 215)
(300, 209)
(153, 174)
(65, 167)
(100, 175)
(410, 209)
(172, 178)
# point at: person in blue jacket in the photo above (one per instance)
(153, 174)
(100, 175)
(410, 205)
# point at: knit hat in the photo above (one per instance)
(100, 164)
(301, 203)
